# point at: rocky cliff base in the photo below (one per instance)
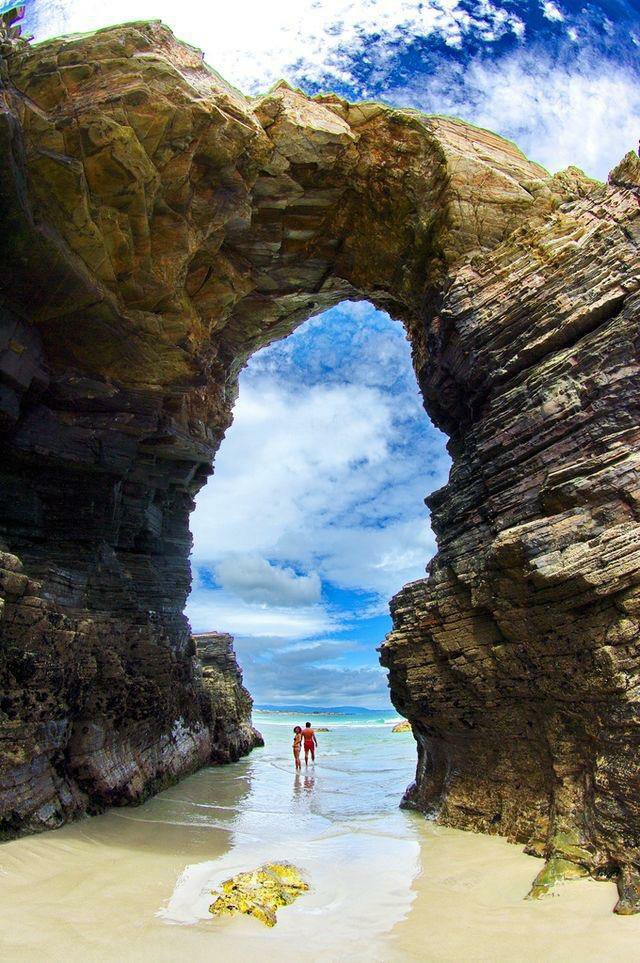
(95, 713)
(517, 659)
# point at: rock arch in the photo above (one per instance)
(158, 227)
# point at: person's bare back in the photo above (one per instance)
(310, 743)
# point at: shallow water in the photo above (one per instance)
(134, 884)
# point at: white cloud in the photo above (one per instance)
(378, 559)
(586, 114)
(315, 673)
(254, 579)
(252, 43)
(289, 456)
(212, 610)
(315, 685)
(328, 478)
(551, 11)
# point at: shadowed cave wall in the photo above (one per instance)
(158, 227)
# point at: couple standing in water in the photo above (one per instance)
(308, 737)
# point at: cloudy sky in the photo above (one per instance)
(315, 514)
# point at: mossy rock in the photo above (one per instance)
(259, 892)
(554, 870)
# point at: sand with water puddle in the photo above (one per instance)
(134, 884)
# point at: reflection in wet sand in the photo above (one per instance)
(303, 783)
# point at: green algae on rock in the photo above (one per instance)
(553, 871)
(259, 892)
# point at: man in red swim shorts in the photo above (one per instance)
(310, 743)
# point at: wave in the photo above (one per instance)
(332, 724)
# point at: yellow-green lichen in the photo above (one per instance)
(259, 892)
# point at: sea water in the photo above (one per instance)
(135, 884)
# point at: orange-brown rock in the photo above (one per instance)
(158, 227)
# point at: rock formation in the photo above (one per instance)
(404, 726)
(517, 659)
(259, 892)
(226, 704)
(158, 227)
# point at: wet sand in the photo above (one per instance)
(134, 884)
(470, 905)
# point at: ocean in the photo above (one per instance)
(325, 717)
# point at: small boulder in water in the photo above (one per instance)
(260, 892)
(404, 726)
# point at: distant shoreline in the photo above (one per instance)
(328, 711)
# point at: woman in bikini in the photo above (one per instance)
(297, 742)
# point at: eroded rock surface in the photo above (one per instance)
(226, 705)
(517, 660)
(260, 892)
(158, 227)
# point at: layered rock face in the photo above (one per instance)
(158, 227)
(517, 659)
(226, 704)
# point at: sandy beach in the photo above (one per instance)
(135, 884)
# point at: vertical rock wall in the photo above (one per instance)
(226, 703)
(517, 659)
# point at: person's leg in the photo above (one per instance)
(313, 753)
(306, 756)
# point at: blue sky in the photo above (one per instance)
(315, 514)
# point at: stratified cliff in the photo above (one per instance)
(226, 704)
(517, 659)
(158, 227)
